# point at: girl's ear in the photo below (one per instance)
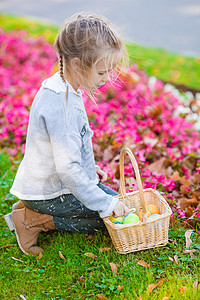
(75, 63)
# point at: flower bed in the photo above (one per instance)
(136, 111)
(24, 63)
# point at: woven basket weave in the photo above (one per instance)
(144, 234)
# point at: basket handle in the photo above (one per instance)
(127, 150)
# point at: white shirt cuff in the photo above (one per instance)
(110, 209)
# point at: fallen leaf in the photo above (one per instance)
(187, 237)
(120, 287)
(22, 297)
(89, 254)
(165, 298)
(113, 268)
(196, 194)
(195, 284)
(176, 259)
(170, 258)
(143, 263)
(151, 287)
(17, 259)
(104, 249)
(99, 296)
(108, 153)
(183, 289)
(185, 202)
(89, 237)
(176, 177)
(104, 268)
(159, 166)
(156, 110)
(192, 255)
(39, 256)
(7, 246)
(152, 142)
(61, 256)
(189, 251)
(80, 279)
(161, 281)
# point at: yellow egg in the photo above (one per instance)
(152, 209)
(119, 219)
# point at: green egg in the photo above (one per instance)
(131, 218)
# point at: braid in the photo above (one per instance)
(62, 75)
(61, 68)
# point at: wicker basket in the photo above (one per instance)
(144, 234)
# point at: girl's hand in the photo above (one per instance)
(120, 210)
(101, 175)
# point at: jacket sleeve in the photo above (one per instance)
(66, 146)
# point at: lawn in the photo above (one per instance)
(82, 266)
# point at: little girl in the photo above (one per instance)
(57, 180)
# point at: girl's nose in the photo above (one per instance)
(107, 77)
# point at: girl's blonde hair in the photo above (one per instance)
(90, 38)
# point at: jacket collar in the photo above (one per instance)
(56, 84)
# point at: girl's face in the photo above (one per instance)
(100, 74)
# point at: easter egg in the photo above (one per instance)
(130, 218)
(150, 217)
(119, 219)
(152, 209)
(117, 222)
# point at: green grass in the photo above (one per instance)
(81, 277)
(165, 65)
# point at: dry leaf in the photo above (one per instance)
(143, 263)
(113, 268)
(161, 281)
(89, 254)
(176, 259)
(165, 298)
(192, 255)
(189, 251)
(187, 237)
(22, 297)
(120, 287)
(150, 141)
(61, 256)
(7, 246)
(195, 284)
(108, 153)
(176, 177)
(159, 166)
(170, 258)
(151, 287)
(99, 296)
(185, 202)
(105, 249)
(17, 259)
(196, 194)
(39, 256)
(183, 289)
